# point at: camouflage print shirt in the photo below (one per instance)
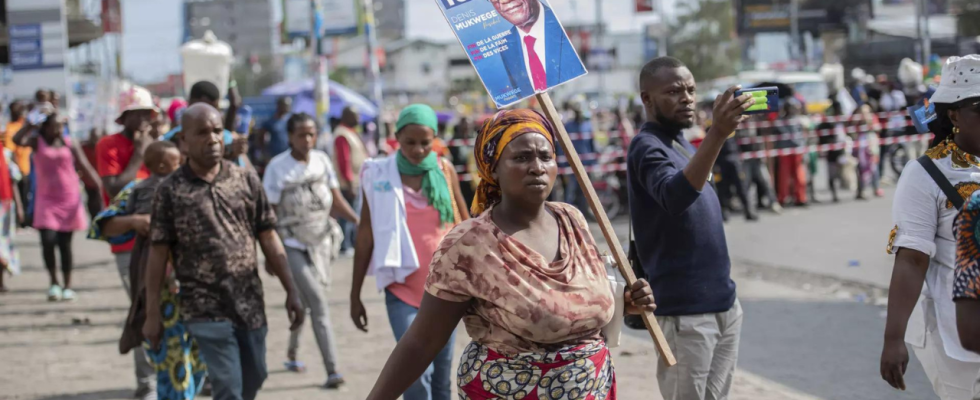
(212, 229)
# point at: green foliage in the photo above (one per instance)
(703, 37)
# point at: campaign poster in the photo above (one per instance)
(518, 47)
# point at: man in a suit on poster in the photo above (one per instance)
(539, 55)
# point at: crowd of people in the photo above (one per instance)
(469, 231)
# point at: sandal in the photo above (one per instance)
(295, 366)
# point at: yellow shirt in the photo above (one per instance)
(22, 154)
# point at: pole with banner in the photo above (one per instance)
(374, 67)
(522, 52)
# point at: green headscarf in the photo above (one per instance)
(434, 185)
(418, 114)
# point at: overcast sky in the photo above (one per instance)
(153, 30)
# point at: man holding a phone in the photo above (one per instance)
(680, 237)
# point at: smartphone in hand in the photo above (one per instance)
(766, 99)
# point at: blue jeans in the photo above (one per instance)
(436, 382)
(235, 358)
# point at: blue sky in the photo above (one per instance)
(153, 30)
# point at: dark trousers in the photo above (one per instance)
(235, 358)
(757, 173)
(732, 179)
(62, 241)
(350, 230)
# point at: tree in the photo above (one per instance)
(704, 38)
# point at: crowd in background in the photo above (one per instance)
(105, 184)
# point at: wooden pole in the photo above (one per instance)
(600, 214)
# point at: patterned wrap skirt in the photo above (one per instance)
(576, 372)
(178, 363)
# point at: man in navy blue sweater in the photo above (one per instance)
(680, 238)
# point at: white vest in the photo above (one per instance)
(393, 258)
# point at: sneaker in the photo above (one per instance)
(776, 208)
(334, 381)
(54, 293)
(68, 295)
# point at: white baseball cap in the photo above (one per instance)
(960, 80)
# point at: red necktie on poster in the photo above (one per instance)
(538, 76)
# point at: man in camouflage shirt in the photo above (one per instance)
(207, 215)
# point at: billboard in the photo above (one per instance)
(758, 16)
(333, 17)
(518, 47)
(38, 35)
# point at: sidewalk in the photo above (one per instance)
(69, 350)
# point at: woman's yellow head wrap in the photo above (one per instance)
(496, 133)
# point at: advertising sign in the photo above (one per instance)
(518, 47)
(296, 19)
(757, 16)
(38, 46)
(339, 17)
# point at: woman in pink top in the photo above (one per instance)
(58, 207)
(415, 191)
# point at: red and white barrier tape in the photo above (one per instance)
(817, 119)
(811, 134)
(832, 146)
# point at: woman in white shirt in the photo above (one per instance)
(301, 183)
(925, 246)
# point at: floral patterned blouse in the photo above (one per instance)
(967, 282)
(521, 302)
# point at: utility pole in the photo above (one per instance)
(374, 69)
(600, 45)
(918, 33)
(320, 69)
(662, 39)
(926, 39)
(794, 28)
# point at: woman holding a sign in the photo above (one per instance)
(526, 279)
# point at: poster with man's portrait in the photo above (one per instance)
(518, 47)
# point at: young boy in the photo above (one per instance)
(126, 218)
(207, 215)
(302, 185)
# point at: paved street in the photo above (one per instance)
(805, 336)
(809, 281)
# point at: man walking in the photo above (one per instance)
(350, 154)
(275, 127)
(119, 161)
(679, 232)
(208, 215)
(303, 187)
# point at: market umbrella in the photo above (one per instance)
(340, 97)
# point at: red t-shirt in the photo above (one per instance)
(112, 155)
